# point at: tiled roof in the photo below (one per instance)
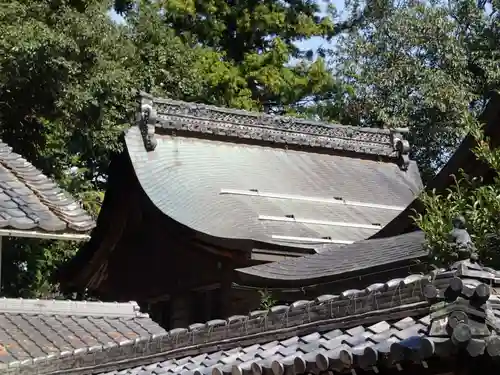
(331, 261)
(29, 200)
(41, 336)
(212, 121)
(404, 321)
(267, 194)
(298, 354)
(393, 324)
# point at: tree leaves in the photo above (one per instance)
(422, 66)
(471, 197)
(66, 79)
(244, 48)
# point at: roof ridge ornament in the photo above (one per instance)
(146, 120)
(401, 147)
(461, 241)
(460, 315)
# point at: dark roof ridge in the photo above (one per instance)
(258, 115)
(206, 119)
(71, 308)
(330, 261)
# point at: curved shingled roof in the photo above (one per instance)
(241, 175)
(30, 201)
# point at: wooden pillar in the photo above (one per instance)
(179, 312)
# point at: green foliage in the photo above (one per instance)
(64, 84)
(28, 264)
(470, 197)
(165, 65)
(244, 60)
(266, 300)
(420, 65)
(65, 95)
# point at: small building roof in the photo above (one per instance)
(232, 181)
(242, 175)
(33, 205)
(334, 261)
(44, 336)
(420, 320)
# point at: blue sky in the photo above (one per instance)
(316, 42)
(312, 43)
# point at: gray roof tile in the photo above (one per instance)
(387, 324)
(29, 200)
(34, 331)
(357, 329)
(393, 323)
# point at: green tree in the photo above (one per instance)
(65, 95)
(165, 64)
(65, 84)
(251, 46)
(419, 65)
(471, 198)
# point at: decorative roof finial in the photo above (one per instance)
(474, 257)
(401, 146)
(146, 120)
(460, 239)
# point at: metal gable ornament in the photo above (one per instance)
(146, 120)
(401, 147)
